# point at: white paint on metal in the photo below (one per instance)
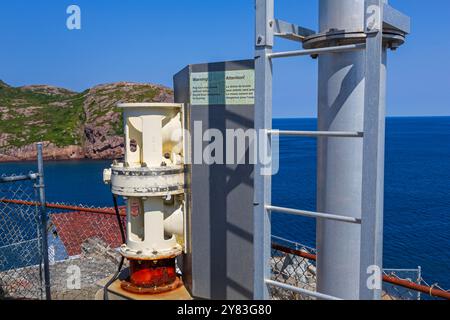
(152, 180)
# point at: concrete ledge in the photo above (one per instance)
(115, 292)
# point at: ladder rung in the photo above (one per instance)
(300, 290)
(311, 214)
(317, 134)
(308, 52)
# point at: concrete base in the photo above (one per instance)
(115, 292)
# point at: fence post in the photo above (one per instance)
(419, 281)
(44, 220)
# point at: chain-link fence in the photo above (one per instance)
(295, 264)
(397, 282)
(83, 244)
(21, 250)
(395, 292)
(431, 287)
(82, 253)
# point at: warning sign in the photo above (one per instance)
(235, 87)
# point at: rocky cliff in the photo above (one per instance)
(72, 125)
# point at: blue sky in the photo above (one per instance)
(150, 40)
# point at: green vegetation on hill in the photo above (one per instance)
(32, 114)
(44, 113)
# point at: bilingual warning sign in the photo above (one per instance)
(235, 87)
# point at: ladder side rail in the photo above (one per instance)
(371, 250)
(263, 121)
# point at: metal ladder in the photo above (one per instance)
(267, 28)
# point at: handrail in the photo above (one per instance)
(433, 292)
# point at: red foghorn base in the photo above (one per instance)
(152, 276)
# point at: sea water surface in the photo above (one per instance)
(417, 190)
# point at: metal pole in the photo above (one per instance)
(43, 211)
(349, 171)
(372, 202)
(263, 121)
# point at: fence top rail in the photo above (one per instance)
(69, 208)
(23, 177)
(295, 244)
(401, 270)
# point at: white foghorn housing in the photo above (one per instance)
(151, 179)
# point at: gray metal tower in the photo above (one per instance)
(351, 45)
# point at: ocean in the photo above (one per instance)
(417, 190)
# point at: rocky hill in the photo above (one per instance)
(72, 125)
